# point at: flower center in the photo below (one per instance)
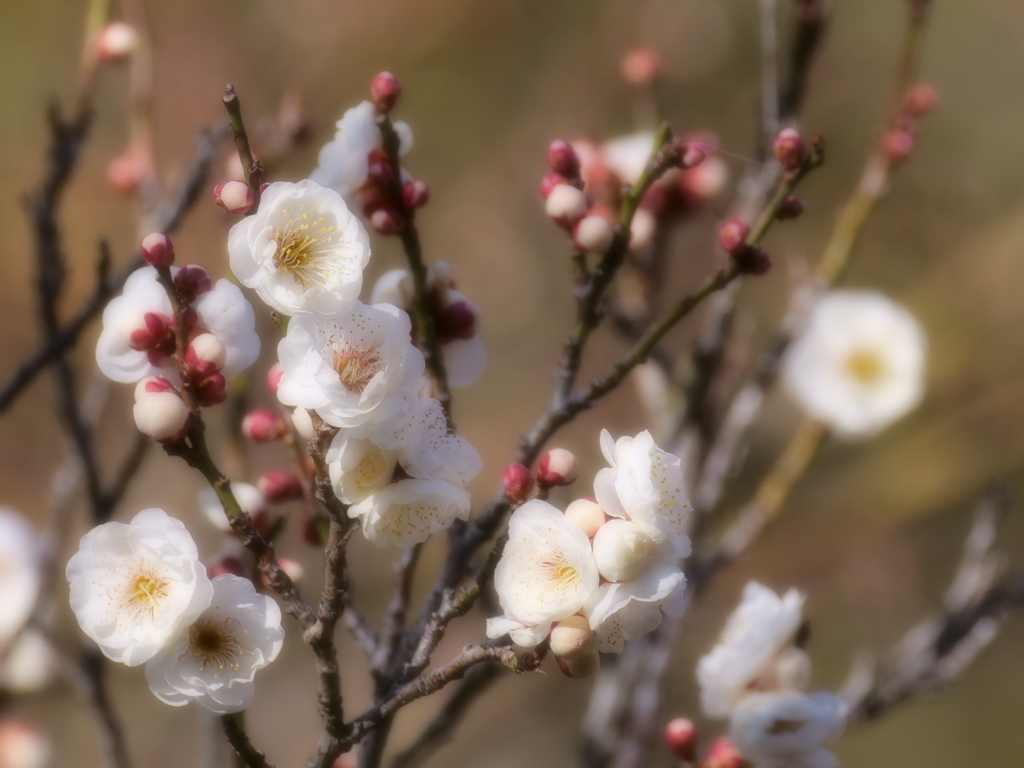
(305, 248)
(865, 365)
(144, 592)
(355, 366)
(564, 576)
(214, 643)
(780, 727)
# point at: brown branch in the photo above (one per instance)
(250, 165)
(240, 742)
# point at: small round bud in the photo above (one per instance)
(191, 281)
(922, 99)
(456, 321)
(640, 67)
(550, 181)
(791, 208)
(723, 755)
(415, 194)
(263, 426)
(732, 236)
(274, 376)
(518, 482)
(115, 41)
(234, 196)
(557, 467)
(384, 91)
(681, 737)
(752, 260)
(593, 234)
(587, 515)
(225, 564)
(124, 172)
(572, 638)
(566, 205)
(303, 423)
(211, 390)
(641, 231)
(23, 745)
(702, 184)
(562, 159)
(380, 174)
(278, 486)
(622, 550)
(387, 221)
(580, 668)
(897, 145)
(291, 567)
(157, 250)
(162, 416)
(151, 385)
(790, 149)
(206, 354)
(692, 156)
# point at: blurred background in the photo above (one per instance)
(874, 530)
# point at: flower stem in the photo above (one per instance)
(251, 166)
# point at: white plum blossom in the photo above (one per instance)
(345, 160)
(303, 251)
(860, 363)
(135, 585)
(359, 467)
(248, 497)
(523, 635)
(406, 512)
(627, 156)
(21, 560)
(546, 572)
(353, 368)
(645, 484)
(456, 319)
(754, 638)
(221, 311)
(214, 660)
(788, 730)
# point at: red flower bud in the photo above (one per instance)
(314, 530)
(191, 281)
(415, 194)
(206, 354)
(732, 236)
(791, 208)
(681, 738)
(212, 390)
(278, 486)
(922, 99)
(157, 336)
(380, 174)
(752, 260)
(456, 321)
(562, 159)
(387, 221)
(692, 156)
(790, 149)
(557, 467)
(518, 482)
(226, 564)
(157, 250)
(264, 426)
(124, 172)
(384, 91)
(897, 145)
(723, 755)
(549, 182)
(234, 196)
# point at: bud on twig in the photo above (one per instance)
(157, 250)
(897, 145)
(572, 638)
(692, 156)
(791, 208)
(922, 99)
(384, 92)
(587, 515)
(162, 416)
(278, 486)
(723, 755)
(387, 221)
(234, 197)
(518, 482)
(116, 41)
(549, 182)
(192, 281)
(124, 172)
(790, 149)
(206, 354)
(641, 67)
(566, 205)
(263, 426)
(593, 234)
(456, 321)
(415, 194)
(732, 236)
(562, 159)
(752, 260)
(681, 738)
(557, 467)
(212, 390)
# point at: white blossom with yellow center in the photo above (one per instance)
(406, 512)
(788, 730)
(134, 586)
(354, 368)
(214, 661)
(860, 363)
(303, 251)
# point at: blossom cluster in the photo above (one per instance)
(758, 675)
(140, 592)
(605, 570)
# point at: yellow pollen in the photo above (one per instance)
(356, 367)
(144, 593)
(865, 365)
(305, 249)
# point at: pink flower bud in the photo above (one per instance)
(681, 738)
(456, 321)
(115, 41)
(274, 376)
(752, 260)
(692, 156)
(206, 354)
(23, 745)
(790, 149)
(303, 423)
(732, 236)
(580, 668)
(157, 250)
(293, 568)
(723, 755)
(593, 234)
(518, 482)
(380, 174)
(897, 145)
(234, 196)
(558, 467)
(791, 208)
(562, 159)
(922, 99)
(211, 390)
(415, 194)
(587, 515)
(157, 335)
(124, 172)
(192, 281)
(152, 384)
(387, 221)
(162, 416)
(566, 205)
(702, 184)
(278, 486)
(549, 182)
(264, 426)
(640, 67)
(384, 91)
(225, 564)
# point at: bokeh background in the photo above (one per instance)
(874, 530)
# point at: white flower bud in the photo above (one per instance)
(234, 196)
(622, 550)
(558, 467)
(566, 204)
(206, 353)
(161, 415)
(23, 745)
(587, 515)
(572, 638)
(152, 385)
(303, 424)
(116, 40)
(583, 667)
(594, 234)
(641, 232)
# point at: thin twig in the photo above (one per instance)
(241, 743)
